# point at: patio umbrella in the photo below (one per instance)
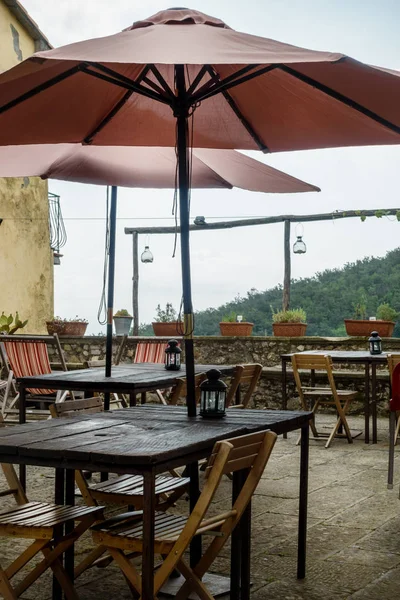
(186, 79)
(141, 167)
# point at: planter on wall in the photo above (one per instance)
(66, 328)
(289, 329)
(361, 327)
(122, 325)
(171, 329)
(236, 329)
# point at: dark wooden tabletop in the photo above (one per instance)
(124, 378)
(350, 356)
(134, 439)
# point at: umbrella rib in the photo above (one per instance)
(263, 147)
(88, 139)
(40, 88)
(129, 86)
(197, 80)
(162, 82)
(341, 98)
(227, 83)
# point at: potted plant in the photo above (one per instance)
(166, 322)
(67, 327)
(122, 322)
(289, 323)
(233, 325)
(7, 326)
(361, 326)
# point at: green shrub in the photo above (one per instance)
(167, 315)
(7, 326)
(122, 313)
(385, 312)
(295, 315)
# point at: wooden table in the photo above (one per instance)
(148, 440)
(357, 357)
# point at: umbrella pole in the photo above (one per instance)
(110, 297)
(183, 164)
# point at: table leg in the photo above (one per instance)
(373, 404)
(132, 400)
(148, 535)
(194, 493)
(284, 390)
(107, 401)
(236, 554)
(303, 499)
(392, 429)
(366, 403)
(59, 497)
(143, 398)
(245, 534)
(70, 501)
(22, 419)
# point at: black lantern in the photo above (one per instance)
(299, 246)
(213, 396)
(375, 343)
(173, 356)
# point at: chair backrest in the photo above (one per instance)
(90, 364)
(312, 362)
(249, 452)
(394, 403)
(27, 355)
(14, 485)
(393, 360)
(180, 389)
(248, 375)
(77, 408)
(150, 352)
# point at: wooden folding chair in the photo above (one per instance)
(393, 360)
(38, 521)
(340, 399)
(125, 490)
(394, 407)
(243, 375)
(179, 391)
(27, 355)
(151, 352)
(173, 533)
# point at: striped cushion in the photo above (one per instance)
(150, 352)
(29, 358)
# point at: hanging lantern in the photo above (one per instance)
(375, 343)
(57, 258)
(299, 246)
(213, 396)
(146, 256)
(173, 356)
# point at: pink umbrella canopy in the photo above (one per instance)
(102, 91)
(143, 167)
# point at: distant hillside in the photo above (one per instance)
(327, 298)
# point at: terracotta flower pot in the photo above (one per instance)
(361, 327)
(236, 329)
(289, 329)
(171, 329)
(66, 328)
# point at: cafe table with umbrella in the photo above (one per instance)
(185, 79)
(141, 167)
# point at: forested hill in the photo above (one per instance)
(327, 298)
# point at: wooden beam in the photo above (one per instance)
(286, 278)
(339, 214)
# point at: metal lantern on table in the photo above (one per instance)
(213, 396)
(375, 343)
(173, 356)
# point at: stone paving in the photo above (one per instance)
(353, 528)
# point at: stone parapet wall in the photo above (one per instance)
(264, 350)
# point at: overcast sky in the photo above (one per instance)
(227, 263)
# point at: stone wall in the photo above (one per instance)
(265, 350)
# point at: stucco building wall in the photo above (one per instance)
(26, 264)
